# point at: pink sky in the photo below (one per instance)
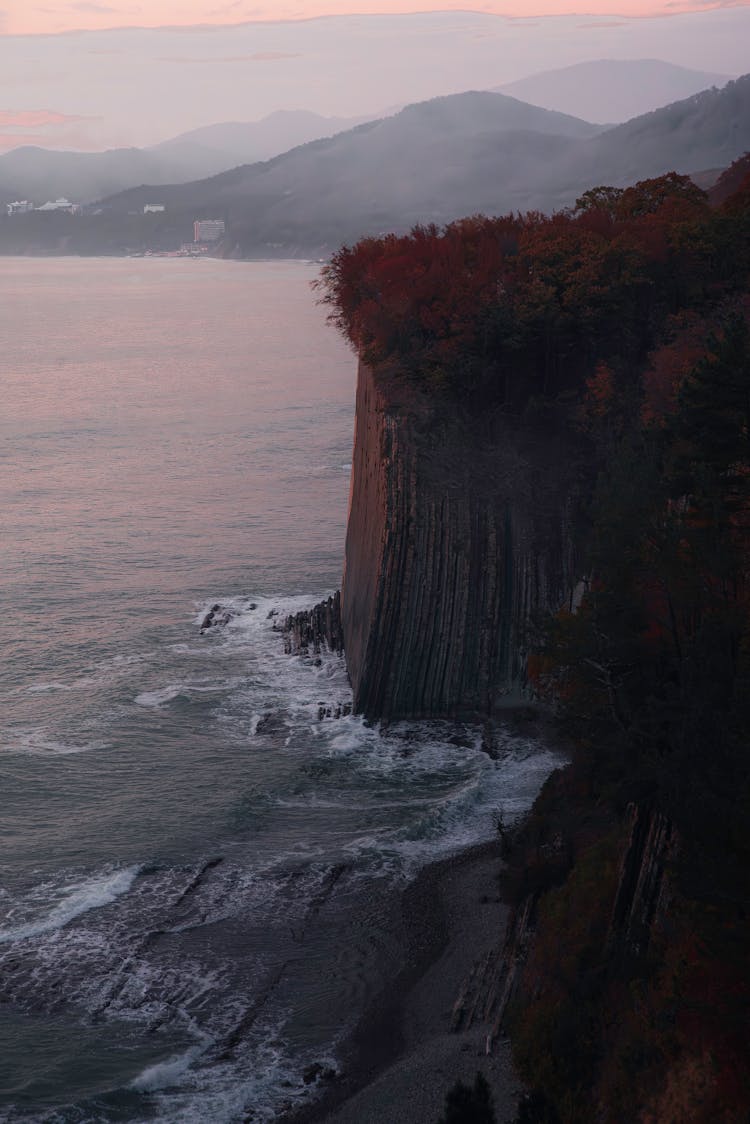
(27, 17)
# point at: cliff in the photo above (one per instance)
(459, 532)
(622, 392)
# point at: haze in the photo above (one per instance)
(19, 19)
(115, 86)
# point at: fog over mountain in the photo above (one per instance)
(605, 91)
(230, 143)
(453, 156)
(610, 91)
(419, 165)
(140, 87)
(432, 162)
(39, 174)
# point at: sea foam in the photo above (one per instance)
(166, 1073)
(75, 900)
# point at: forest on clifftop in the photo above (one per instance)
(626, 320)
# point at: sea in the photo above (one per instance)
(197, 855)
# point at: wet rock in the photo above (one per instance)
(340, 710)
(318, 1072)
(216, 616)
(313, 630)
(489, 741)
(271, 723)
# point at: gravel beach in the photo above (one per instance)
(404, 1057)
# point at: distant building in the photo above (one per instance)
(60, 204)
(20, 207)
(208, 230)
(153, 208)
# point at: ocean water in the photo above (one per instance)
(196, 861)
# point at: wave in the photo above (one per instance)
(41, 688)
(75, 900)
(167, 1073)
(323, 813)
(163, 695)
(37, 743)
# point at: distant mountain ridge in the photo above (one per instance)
(245, 142)
(612, 90)
(437, 160)
(430, 163)
(39, 174)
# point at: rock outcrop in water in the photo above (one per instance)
(312, 629)
(458, 534)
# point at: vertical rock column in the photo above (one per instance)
(452, 543)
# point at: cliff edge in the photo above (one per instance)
(459, 532)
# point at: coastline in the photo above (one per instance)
(403, 1056)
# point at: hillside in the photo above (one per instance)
(231, 143)
(612, 90)
(430, 163)
(38, 174)
(440, 159)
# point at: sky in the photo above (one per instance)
(23, 17)
(130, 78)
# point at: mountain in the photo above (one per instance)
(453, 156)
(231, 143)
(430, 163)
(612, 90)
(707, 130)
(39, 174)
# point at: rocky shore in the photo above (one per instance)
(430, 1024)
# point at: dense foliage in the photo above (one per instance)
(652, 677)
(630, 317)
(524, 305)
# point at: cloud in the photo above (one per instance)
(704, 5)
(97, 9)
(37, 118)
(263, 56)
(18, 140)
(226, 9)
(77, 142)
(258, 56)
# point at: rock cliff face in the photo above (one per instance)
(459, 532)
(641, 905)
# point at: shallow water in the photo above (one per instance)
(196, 866)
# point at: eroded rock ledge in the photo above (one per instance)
(313, 629)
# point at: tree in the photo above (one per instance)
(464, 1105)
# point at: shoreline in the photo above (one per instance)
(403, 1057)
